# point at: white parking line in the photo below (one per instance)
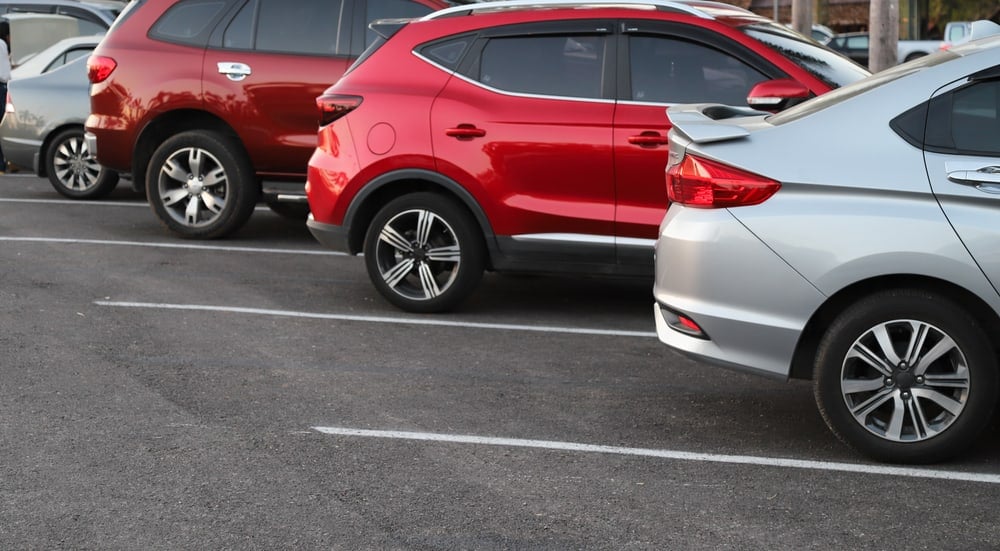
(77, 202)
(669, 454)
(169, 245)
(377, 319)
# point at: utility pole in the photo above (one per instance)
(883, 34)
(802, 16)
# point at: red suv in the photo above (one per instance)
(211, 103)
(531, 136)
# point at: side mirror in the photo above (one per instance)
(775, 95)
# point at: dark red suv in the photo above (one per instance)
(211, 103)
(532, 136)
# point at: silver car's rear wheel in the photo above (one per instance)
(906, 376)
(73, 171)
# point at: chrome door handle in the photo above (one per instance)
(986, 179)
(234, 71)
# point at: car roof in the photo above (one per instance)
(704, 9)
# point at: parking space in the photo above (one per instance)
(256, 392)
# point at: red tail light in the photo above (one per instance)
(99, 68)
(332, 107)
(698, 182)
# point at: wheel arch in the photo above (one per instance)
(805, 350)
(391, 185)
(169, 124)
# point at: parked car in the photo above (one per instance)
(48, 99)
(873, 271)
(92, 16)
(525, 145)
(855, 45)
(210, 105)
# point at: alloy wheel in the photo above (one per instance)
(418, 254)
(75, 168)
(193, 187)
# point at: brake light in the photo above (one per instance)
(99, 68)
(701, 183)
(333, 106)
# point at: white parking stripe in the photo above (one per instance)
(377, 319)
(669, 454)
(77, 202)
(170, 245)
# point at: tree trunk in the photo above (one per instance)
(883, 35)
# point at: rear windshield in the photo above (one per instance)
(820, 61)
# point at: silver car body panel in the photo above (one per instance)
(753, 276)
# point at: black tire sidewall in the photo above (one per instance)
(106, 180)
(241, 195)
(921, 306)
(470, 242)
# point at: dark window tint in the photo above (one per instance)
(666, 70)
(447, 53)
(390, 9)
(571, 66)
(301, 26)
(186, 20)
(239, 33)
(821, 62)
(966, 120)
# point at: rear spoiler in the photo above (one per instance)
(701, 122)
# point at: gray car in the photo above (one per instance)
(43, 126)
(853, 240)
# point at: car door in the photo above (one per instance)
(525, 125)
(264, 68)
(962, 153)
(668, 63)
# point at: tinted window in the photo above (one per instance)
(571, 66)
(301, 27)
(447, 53)
(824, 64)
(239, 33)
(187, 19)
(966, 120)
(390, 9)
(666, 70)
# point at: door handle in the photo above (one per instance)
(648, 138)
(986, 179)
(465, 131)
(234, 71)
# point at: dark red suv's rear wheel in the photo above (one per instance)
(424, 252)
(201, 185)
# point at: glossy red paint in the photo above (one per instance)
(577, 169)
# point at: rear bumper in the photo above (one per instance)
(750, 304)
(330, 236)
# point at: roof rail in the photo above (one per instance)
(467, 9)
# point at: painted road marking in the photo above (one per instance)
(170, 246)
(377, 319)
(881, 470)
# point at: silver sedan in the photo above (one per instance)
(851, 240)
(42, 129)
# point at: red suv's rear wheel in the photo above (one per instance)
(424, 252)
(201, 185)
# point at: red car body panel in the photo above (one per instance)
(526, 164)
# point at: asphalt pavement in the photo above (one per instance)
(257, 393)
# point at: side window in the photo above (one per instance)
(966, 120)
(301, 27)
(569, 66)
(89, 23)
(67, 57)
(668, 70)
(187, 20)
(390, 9)
(239, 33)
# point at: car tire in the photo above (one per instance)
(201, 185)
(73, 171)
(426, 273)
(900, 403)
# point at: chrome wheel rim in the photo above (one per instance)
(74, 166)
(418, 255)
(905, 381)
(193, 187)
